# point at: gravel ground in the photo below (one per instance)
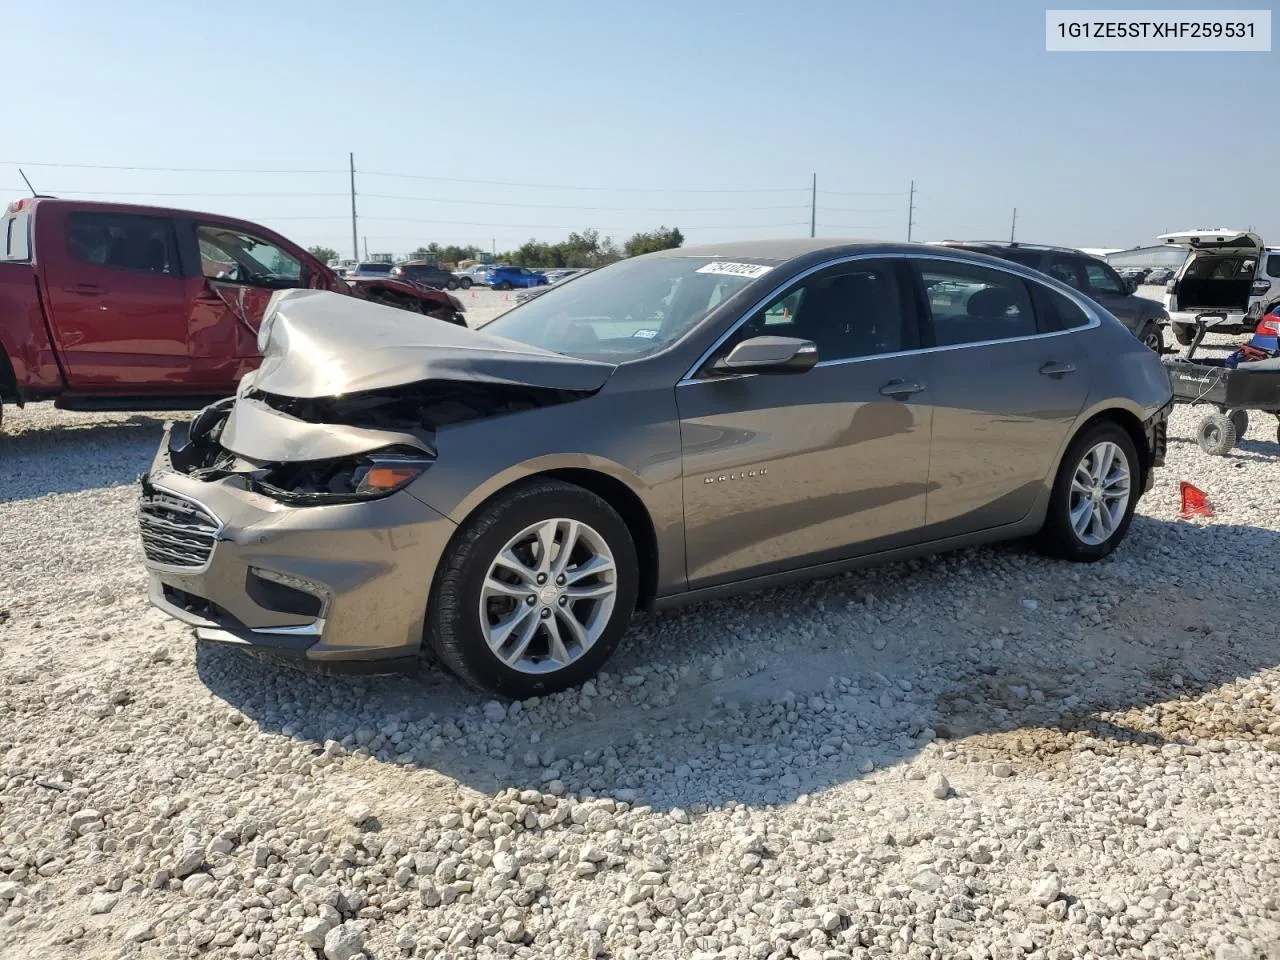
(982, 754)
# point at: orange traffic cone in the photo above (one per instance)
(473, 294)
(506, 296)
(1195, 502)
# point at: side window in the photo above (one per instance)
(123, 241)
(1054, 311)
(852, 311)
(1102, 280)
(1065, 269)
(235, 257)
(972, 304)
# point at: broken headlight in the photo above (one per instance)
(343, 479)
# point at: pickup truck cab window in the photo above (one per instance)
(123, 241)
(233, 256)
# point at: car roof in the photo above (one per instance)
(1007, 245)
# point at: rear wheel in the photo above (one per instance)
(535, 592)
(1152, 337)
(1184, 333)
(451, 284)
(1094, 495)
(504, 285)
(1216, 434)
(466, 283)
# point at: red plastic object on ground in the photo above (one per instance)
(1195, 502)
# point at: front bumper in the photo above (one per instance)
(340, 582)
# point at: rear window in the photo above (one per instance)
(1056, 311)
(1219, 268)
(123, 241)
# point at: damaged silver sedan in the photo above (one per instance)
(672, 427)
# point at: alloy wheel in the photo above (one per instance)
(548, 596)
(1100, 491)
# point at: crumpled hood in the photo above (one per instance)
(320, 344)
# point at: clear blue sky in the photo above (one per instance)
(1094, 149)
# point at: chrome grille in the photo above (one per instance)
(176, 532)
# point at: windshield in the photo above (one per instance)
(626, 310)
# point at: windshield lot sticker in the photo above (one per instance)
(645, 334)
(749, 270)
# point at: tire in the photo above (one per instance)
(465, 282)
(1059, 537)
(1216, 434)
(451, 284)
(504, 285)
(459, 637)
(1152, 337)
(1239, 420)
(1184, 333)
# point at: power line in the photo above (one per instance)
(564, 186)
(105, 166)
(570, 206)
(847, 193)
(401, 176)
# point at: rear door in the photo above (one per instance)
(787, 470)
(117, 297)
(1009, 379)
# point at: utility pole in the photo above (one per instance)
(813, 207)
(1013, 227)
(366, 248)
(494, 248)
(355, 248)
(911, 210)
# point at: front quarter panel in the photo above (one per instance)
(628, 431)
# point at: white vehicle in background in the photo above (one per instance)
(473, 276)
(1228, 282)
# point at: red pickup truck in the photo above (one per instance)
(108, 306)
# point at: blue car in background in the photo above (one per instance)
(506, 278)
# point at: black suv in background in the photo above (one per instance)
(1093, 277)
(427, 274)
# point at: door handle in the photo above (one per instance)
(1055, 369)
(85, 289)
(901, 389)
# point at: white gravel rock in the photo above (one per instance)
(739, 784)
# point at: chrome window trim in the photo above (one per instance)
(1019, 271)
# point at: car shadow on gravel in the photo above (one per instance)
(990, 655)
(69, 459)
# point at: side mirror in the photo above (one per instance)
(1131, 284)
(768, 355)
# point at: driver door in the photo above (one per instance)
(788, 470)
(240, 272)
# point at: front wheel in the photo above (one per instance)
(451, 284)
(466, 283)
(1094, 495)
(504, 285)
(535, 592)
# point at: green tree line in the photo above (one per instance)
(585, 249)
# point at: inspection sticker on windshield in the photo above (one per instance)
(645, 334)
(749, 270)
